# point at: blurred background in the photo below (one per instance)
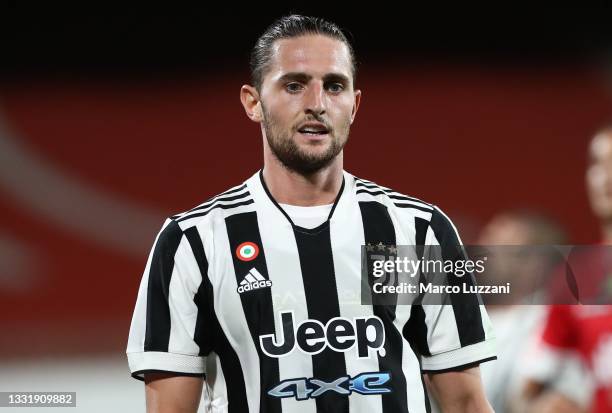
(111, 122)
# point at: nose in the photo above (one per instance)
(315, 99)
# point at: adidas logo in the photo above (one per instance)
(253, 281)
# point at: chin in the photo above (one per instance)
(316, 150)
(603, 212)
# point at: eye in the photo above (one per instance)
(293, 87)
(335, 87)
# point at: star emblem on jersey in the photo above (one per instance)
(247, 251)
(253, 281)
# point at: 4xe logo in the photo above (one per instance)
(312, 337)
(302, 389)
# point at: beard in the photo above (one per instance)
(297, 159)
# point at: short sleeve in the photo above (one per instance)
(458, 333)
(165, 329)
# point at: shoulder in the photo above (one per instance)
(371, 191)
(217, 207)
(407, 206)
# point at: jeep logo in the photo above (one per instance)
(312, 337)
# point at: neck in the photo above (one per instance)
(606, 232)
(290, 187)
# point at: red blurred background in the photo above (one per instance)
(110, 123)
(471, 140)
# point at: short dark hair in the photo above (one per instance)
(294, 25)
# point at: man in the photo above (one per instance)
(244, 293)
(576, 337)
(517, 321)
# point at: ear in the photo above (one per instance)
(356, 104)
(251, 103)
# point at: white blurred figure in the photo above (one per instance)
(518, 319)
(516, 323)
(578, 338)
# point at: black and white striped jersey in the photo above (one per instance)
(270, 312)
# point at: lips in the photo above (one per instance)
(313, 128)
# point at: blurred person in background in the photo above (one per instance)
(516, 323)
(580, 336)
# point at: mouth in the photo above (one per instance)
(313, 130)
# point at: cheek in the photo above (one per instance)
(344, 108)
(284, 111)
(597, 177)
(277, 116)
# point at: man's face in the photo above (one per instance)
(308, 101)
(599, 175)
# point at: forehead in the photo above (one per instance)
(313, 54)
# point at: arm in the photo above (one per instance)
(459, 391)
(539, 400)
(556, 379)
(167, 346)
(452, 337)
(168, 393)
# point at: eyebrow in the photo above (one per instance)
(304, 77)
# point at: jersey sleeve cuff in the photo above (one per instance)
(464, 356)
(158, 361)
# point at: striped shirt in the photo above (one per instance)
(269, 311)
